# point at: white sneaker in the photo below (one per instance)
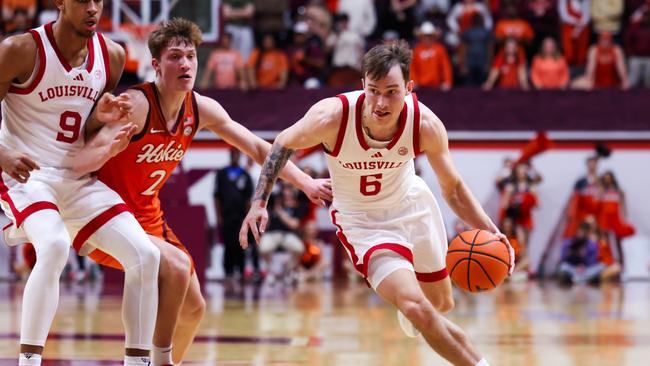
(407, 326)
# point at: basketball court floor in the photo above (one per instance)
(325, 324)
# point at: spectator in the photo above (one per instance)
(612, 209)
(431, 67)
(517, 202)
(226, 64)
(348, 46)
(232, 195)
(637, 45)
(607, 16)
(513, 26)
(574, 17)
(460, 17)
(307, 60)
(313, 263)
(238, 19)
(319, 20)
(550, 69)
(543, 17)
(268, 67)
(431, 10)
(270, 18)
(26, 14)
(284, 222)
(509, 69)
(362, 15)
(605, 66)
(579, 263)
(475, 52)
(586, 195)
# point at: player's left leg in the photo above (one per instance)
(189, 319)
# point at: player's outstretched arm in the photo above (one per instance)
(112, 138)
(216, 119)
(319, 126)
(435, 144)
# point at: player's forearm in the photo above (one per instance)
(275, 161)
(90, 159)
(467, 207)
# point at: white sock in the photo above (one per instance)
(29, 359)
(137, 361)
(161, 356)
(483, 362)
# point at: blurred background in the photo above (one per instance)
(546, 103)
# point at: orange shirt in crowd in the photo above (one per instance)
(549, 72)
(431, 66)
(508, 70)
(606, 75)
(273, 64)
(225, 63)
(518, 29)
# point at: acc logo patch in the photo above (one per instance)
(403, 151)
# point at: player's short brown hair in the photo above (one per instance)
(177, 29)
(380, 59)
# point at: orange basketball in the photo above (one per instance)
(477, 260)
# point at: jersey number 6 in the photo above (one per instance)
(370, 184)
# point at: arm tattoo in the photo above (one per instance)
(275, 161)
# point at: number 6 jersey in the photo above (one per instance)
(371, 174)
(44, 117)
(139, 171)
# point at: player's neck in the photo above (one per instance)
(69, 42)
(170, 102)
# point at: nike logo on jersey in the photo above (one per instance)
(377, 155)
(153, 130)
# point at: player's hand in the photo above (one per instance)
(255, 221)
(122, 139)
(112, 109)
(17, 165)
(319, 191)
(511, 251)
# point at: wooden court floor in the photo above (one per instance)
(526, 323)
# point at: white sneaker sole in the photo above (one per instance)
(407, 326)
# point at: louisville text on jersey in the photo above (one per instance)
(371, 165)
(156, 154)
(69, 91)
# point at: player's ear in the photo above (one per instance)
(58, 4)
(409, 87)
(156, 65)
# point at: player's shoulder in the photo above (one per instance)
(19, 47)
(328, 111)
(115, 50)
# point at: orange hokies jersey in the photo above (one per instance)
(138, 172)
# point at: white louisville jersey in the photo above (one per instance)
(366, 177)
(45, 116)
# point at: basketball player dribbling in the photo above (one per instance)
(167, 113)
(387, 218)
(51, 78)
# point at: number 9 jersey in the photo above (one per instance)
(139, 171)
(44, 116)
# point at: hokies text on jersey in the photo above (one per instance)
(157, 154)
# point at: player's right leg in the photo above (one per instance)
(123, 238)
(47, 232)
(173, 282)
(189, 319)
(400, 288)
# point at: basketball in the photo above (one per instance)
(477, 260)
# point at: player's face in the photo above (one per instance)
(385, 97)
(177, 66)
(83, 15)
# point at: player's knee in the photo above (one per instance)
(445, 304)
(175, 267)
(53, 254)
(149, 257)
(418, 310)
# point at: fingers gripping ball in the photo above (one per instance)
(477, 260)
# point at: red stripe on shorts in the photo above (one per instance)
(432, 276)
(394, 247)
(20, 216)
(91, 227)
